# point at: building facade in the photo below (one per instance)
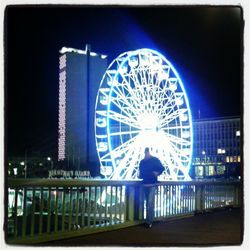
(80, 73)
(216, 148)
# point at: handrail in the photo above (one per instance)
(20, 182)
(47, 209)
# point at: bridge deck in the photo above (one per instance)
(217, 228)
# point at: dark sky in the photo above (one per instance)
(203, 43)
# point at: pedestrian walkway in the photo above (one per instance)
(214, 228)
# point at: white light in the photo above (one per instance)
(93, 54)
(104, 56)
(15, 171)
(142, 110)
(219, 151)
(123, 69)
(179, 101)
(110, 81)
(133, 61)
(22, 163)
(48, 158)
(185, 134)
(183, 117)
(104, 100)
(173, 84)
(237, 133)
(101, 122)
(69, 50)
(102, 146)
(148, 121)
(203, 152)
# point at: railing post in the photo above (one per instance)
(199, 198)
(237, 195)
(130, 197)
(139, 202)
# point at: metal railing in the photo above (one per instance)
(42, 210)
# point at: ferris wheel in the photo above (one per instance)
(142, 103)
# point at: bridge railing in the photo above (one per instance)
(42, 210)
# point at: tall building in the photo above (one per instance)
(80, 73)
(216, 148)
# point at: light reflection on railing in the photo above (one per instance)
(64, 206)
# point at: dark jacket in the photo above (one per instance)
(147, 167)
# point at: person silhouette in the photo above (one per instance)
(150, 168)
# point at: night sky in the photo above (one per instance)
(203, 43)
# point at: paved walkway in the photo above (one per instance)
(217, 228)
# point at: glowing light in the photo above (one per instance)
(64, 50)
(142, 103)
(62, 108)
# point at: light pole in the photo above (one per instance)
(25, 168)
(51, 163)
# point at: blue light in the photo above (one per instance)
(147, 105)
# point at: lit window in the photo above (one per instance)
(227, 159)
(237, 133)
(235, 159)
(223, 151)
(219, 151)
(199, 171)
(231, 158)
(221, 169)
(203, 152)
(210, 170)
(238, 158)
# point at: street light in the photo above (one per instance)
(22, 163)
(51, 161)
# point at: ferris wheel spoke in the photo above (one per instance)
(169, 117)
(127, 151)
(129, 132)
(132, 157)
(179, 154)
(134, 100)
(122, 119)
(127, 85)
(168, 106)
(175, 128)
(178, 140)
(124, 109)
(121, 149)
(137, 155)
(121, 98)
(139, 88)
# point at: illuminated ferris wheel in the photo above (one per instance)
(142, 103)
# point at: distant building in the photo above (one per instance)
(29, 167)
(217, 148)
(80, 73)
